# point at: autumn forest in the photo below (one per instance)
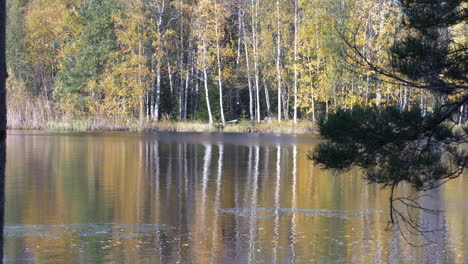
(207, 60)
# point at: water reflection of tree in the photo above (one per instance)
(198, 232)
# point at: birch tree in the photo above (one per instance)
(159, 23)
(278, 57)
(296, 25)
(219, 10)
(203, 24)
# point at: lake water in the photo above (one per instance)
(205, 198)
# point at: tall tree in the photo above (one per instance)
(219, 11)
(278, 58)
(247, 65)
(393, 146)
(159, 13)
(16, 50)
(254, 15)
(132, 38)
(296, 29)
(47, 31)
(204, 23)
(86, 55)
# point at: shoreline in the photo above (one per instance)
(243, 126)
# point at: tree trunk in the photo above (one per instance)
(140, 84)
(378, 97)
(148, 106)
(196, 96)
(187, 79)
(313, 109)
(326, 108)
(295, 60)
(286, 103)
(161, 9)
(255, 56)
(278, 57)
(181, 67)
(239, 30)
(205, 77)
(158, 90)
(267, 99)
(460, 115)
(169, 73)
(3, 109)
(153, 82)
(180, 89)
(247, 63)
(367, 90)
(405, 100)
(3, 114)
(207, 96)
(312, 87)
(218, 57)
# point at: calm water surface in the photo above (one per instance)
(204, 198)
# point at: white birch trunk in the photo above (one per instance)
(267, 98)
(218, 57)
(295, 60)
(255, 56)
(140, 83)
(278, 55)
(247, 62)
(187, 79)
(169, 72)
(158, 89)
(239, 30)
(205, 77)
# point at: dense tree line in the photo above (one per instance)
(205, 59)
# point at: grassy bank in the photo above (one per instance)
(285, 127)
(28, 112)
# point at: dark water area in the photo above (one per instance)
(120, 197)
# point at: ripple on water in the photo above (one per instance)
(84, 230)
(266, 212)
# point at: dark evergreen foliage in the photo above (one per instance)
(16, 50)
(426, 51)
(393, 146)
(95, 43)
